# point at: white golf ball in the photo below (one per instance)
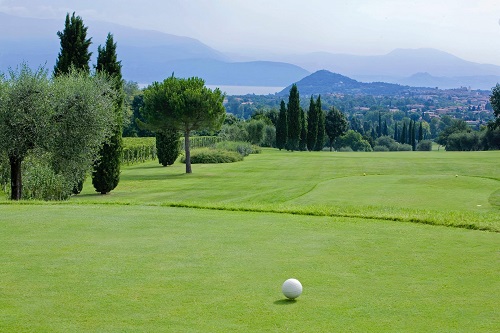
(291, 288)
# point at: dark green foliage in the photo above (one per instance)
(379, 128)
(282, 127)
(336, 125)
(354, 141)
(303, 131)
(404, 134)
(455, 126)
(424, 145)
(167, 146)
(255, 129)
(293, 119)
(106, 173)
(243, 148)
(184, 104)
(412, 140)
(464, 141)
(420, 132)
(491, 139)
(385, 130)
(320, 139)
(74, 46)
(208, 155)
(495, 104)
(312, 125)
(396, 132)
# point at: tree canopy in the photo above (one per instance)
(336, 125)
(67, 118)
(185, 105)
(74, 46)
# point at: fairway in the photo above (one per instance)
(129, 269)
(380, 242)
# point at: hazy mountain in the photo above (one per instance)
(326, 82)
(149, 56)
(442, 69)
(146, 55)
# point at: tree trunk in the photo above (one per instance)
(16, 183)
(187, 152)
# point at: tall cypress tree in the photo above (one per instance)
(75, 54)
(106, 173)
(420, 132)
(396, 132)
(303, 131)
(412, 140)
(312, 125)
(74, 46)
(320, 140)
(293, 119)
(379, 128)
(404, 134)
(282, 127)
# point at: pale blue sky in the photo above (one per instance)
(469, 29)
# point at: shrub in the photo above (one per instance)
(243, 148)
(464, 141)
(380, 148)
(345, 150)
(40, 182)
(207, 155)
(168, 146)
(405, 147)
(425, 145)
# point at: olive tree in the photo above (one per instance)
(25, 118)
(67, 117)
(185, 105)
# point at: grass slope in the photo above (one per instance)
(147, 269)
(457, 189)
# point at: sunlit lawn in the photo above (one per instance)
(150, 269)
(130, 262)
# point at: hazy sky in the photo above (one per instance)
(469, 29)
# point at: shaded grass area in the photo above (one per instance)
(124, 268)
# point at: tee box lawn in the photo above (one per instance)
(208, 252)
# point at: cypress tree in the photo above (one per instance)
(312, 125)
(420, 132)
(303, 131)
(404, 134)
(74, 46)
(75, 54)
(412, 140)
(385, 131)
(320, 140)
(396, 134)
(379, 128)
(167, 146)
(293, 119)
(106, 173)
(281, 127)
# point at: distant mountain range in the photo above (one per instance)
(149, 56)
(146, 55)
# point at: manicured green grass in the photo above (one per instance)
(140, 260)
(107, 268)
(448, 188)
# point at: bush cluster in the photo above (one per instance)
(208, 155)
(241, 147)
